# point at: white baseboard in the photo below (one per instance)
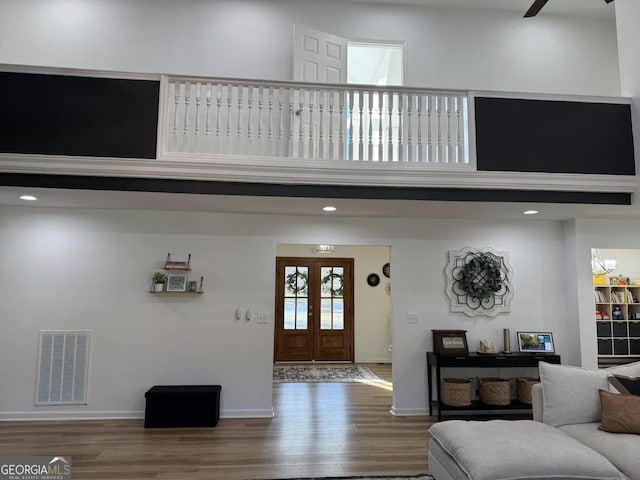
(409, 412)
(263, 413)
(116, 415)
(70, 415)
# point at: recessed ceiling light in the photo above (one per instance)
(329, 208)
(29, 198)
(530, 212)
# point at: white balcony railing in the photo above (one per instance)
(212, 117)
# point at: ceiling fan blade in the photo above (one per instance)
(535, 8)
(608, 1)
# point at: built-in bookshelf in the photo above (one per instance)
(617, 310)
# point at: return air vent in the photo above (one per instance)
(63, 368)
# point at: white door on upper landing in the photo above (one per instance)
(318, 57)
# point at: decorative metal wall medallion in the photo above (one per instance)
(479, 281)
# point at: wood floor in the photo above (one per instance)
(319, 429)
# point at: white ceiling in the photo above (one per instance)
(307, 206)
(591, 8)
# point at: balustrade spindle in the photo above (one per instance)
(370, 134)
(331, 139)
(280, 147)
(249, 148)
(176, 107)
(350, 137)
(390, 142)
(187, 101)
(301, 123)
(409, 128)
(229, 106)
(401, 155)
(449, 145)
(218, 109)
(459, 132)
(420, 157)
(439, 136)
(292, 116)
(207, 131)
(321, 149)
(240, 103)
(312, 96)
(380, 118)
(198, 101)
(341, 99)
(260, 107)
(360, 97)
(429, 134)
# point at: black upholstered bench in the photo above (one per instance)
(182, 406)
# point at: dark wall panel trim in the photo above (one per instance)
(78, 116)
(308, 191)
(518, 135)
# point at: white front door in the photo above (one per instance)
(318, 57)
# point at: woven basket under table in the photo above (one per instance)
(495, 391)
(456, 392)
(524, 388)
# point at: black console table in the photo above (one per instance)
(474, 360)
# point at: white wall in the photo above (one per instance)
(446, 48)
(372, 306)
(90, 269)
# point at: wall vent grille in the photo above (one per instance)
(63, 368)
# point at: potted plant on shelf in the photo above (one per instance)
(158, 279)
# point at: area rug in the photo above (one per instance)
(420, 476)
(324, 374)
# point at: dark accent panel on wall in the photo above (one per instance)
(307, 191)
(516, 135)
(79, 116)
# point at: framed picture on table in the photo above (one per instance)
(450, 342)
(535, 342)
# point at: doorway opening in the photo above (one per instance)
(367, 315)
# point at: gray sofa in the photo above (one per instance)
(561, 443)
(567, 399)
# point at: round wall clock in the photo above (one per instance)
(386, 270)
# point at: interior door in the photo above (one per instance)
(318, 57)
(314, 309)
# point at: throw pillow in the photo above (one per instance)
(570, 394)
(625, 385)
(620, 413)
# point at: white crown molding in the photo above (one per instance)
(309, 172)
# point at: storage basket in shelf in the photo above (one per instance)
(524, 388)
(495, 391)
(456, 392)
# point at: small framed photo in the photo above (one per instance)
(450, 342)
(177, 283)
(536, 342)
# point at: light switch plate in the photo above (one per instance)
(412, 317)
(263, 317)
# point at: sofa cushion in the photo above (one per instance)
(570, 394)
(629, 370)
(520, 449)
(622, 449)
(620, 413)
(625, 385)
